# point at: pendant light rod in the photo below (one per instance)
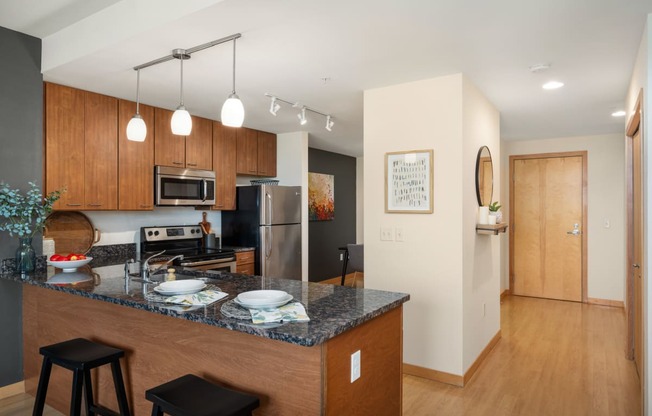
(190, 51)
(137, 91)
(233, 91)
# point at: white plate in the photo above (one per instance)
(177, 285)
(179, 291)
(267, 306)
(262, 297)
(70, 265)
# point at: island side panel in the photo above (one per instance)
(286, 377)
(379, 390)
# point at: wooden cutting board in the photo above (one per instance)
(72, 232)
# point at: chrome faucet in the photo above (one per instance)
(145, 272)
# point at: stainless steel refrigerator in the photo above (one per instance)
(268, 218)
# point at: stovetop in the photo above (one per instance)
(180, 239)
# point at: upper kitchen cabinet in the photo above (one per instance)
(81, 152)
(135, 160)
(169, 149)
(247, 151)
(266, 154)
(256, 152)
(193, 151)
(199, 144)
(224, 161)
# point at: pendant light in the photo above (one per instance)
(181, 121)
(233, 110)
(136, 128)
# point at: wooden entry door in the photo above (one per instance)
(548, 225)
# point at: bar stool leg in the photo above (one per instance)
(156, 410)
(120, 388)
(75, 400)
(42, 390)
(88, 390)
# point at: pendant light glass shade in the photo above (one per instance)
(136, 129)
(232, 112)
(181, 122)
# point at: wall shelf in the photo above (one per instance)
(491, 229)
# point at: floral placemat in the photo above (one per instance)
(292, 312)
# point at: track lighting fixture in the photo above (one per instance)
(136, 128)
(275, 106)
(233, 110)
(181, 123)
(302, 116)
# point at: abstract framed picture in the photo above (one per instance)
(321, 197)
(408, 182)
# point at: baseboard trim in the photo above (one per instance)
(607, 302)
(435, 375)
(12, 390)
(504, 294)
(448, 378)
(338, 280)
(483, 355)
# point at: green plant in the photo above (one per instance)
(24, 214)
(494, 207)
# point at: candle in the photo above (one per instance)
(483, 215)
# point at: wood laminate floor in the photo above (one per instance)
(554, 358)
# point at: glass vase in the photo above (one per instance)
(25, 256)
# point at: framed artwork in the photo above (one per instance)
(408, 182)
(321, 197)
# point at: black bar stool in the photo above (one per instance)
(190, 395)
(81, 356)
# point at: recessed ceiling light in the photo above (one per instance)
(619, 113)
(552, 85)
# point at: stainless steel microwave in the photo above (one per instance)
(179, 186)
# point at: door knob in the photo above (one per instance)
(575, 231)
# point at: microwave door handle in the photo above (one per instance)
(204, 190)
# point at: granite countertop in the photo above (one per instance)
(332, 309)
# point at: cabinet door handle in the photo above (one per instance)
(191, 164)
(177, 163)
(145, 206)
(74, 205)
(94, 205)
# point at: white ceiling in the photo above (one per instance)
(289, 46)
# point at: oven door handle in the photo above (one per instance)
(205, 262)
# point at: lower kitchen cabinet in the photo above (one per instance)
(245, 261)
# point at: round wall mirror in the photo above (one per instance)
(484, 176)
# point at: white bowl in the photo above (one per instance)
(69, 278)
(70, 265)
(262, 297)
(181, 285)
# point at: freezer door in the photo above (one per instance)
(280, 253)
(280, 205)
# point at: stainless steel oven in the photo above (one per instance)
(179, 186)
(218, 265)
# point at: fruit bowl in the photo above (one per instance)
(69, 266)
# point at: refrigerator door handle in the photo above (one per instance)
(268, 242)
(270, 211)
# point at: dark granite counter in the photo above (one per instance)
(332, 309)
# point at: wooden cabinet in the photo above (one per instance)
(193, 151)
(135, 160)
(266, 154)
(256, 152)
(224, 161)
(199, 144)
(245, 262)
(81, 149)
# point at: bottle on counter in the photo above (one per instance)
(170, 276)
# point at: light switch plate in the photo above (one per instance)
(355, 366)
(399, 234)
(386, 234)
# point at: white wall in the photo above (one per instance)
(359, 200)
(429, 264)
(606, 195)
(641, 77)
(481, 253)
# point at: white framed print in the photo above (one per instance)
(408, 182)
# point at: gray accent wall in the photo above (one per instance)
(21, 160)
(325, 237)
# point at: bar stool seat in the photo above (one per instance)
(81, 356)
(190, 395)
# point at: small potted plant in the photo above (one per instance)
(23, 215)
(494, 209)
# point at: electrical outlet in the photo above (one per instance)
(355, 366)
(399, 234)
(386, 234)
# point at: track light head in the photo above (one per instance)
(274, 107)
(329, 123)
(302, 116)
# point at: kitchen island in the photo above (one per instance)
(294, 368)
